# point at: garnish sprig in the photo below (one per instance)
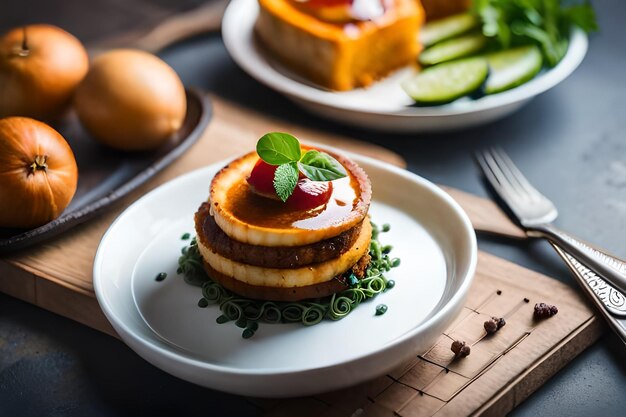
(546, 23)
(283, 150)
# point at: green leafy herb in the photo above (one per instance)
(190, 264)
(246, 313)
(582, 15)
(319, 166)
(283, 149)
(285, 180)
(277, 148)
(546, 23)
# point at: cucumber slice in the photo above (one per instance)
(448, 27)
(512, 67)
(453, 48)
(446, 82)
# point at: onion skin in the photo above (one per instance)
(39, 81)
(38, 173)
(131, 100)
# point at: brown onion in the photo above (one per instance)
(38, 173)
(131, 100)
(40, 67)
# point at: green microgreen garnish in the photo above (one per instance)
(278, 148)
(246, 313)
(283, 149)
(285, 180)
(319, 166)
(546, 23)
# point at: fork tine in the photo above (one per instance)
(491, 176)
(526, 203)
(506, 173)
(515, 174)
(505, 181)
(480, 158)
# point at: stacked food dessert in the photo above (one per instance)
(260, 243)
(341, 44)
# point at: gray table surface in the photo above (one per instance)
(571, 141)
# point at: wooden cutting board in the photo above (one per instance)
(501, 371)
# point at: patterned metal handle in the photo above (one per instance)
(610, 302)
(608, 267)
(613, 300)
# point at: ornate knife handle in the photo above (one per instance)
(608, 267)
(600, 294)
(613, 300)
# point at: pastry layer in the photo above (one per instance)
(270, 256)
(340, 56)
(295, 277)
(255, 220)
(323, 289)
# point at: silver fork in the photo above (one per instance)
(535, 213)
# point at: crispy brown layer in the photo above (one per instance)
(213, 237)
(256, 292)
(272, 224)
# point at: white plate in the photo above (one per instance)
(162, 322)
(384, 105)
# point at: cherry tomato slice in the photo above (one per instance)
(261, 179)
(307, 194)
(310, 194)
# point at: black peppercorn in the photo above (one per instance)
(460, 349)
(500, 320)
(465, 351)
(490, 326)
(543, 311)
(494, 324)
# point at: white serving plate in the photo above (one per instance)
(383, 106)
(162, 322)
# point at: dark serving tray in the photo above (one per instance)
(106, 175)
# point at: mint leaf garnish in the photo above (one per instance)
(319, 166)
(285, 180)
(283, 149)
(278, 148)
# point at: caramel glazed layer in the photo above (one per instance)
(287, 257)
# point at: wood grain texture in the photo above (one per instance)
(231, 132)
(501, 371)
